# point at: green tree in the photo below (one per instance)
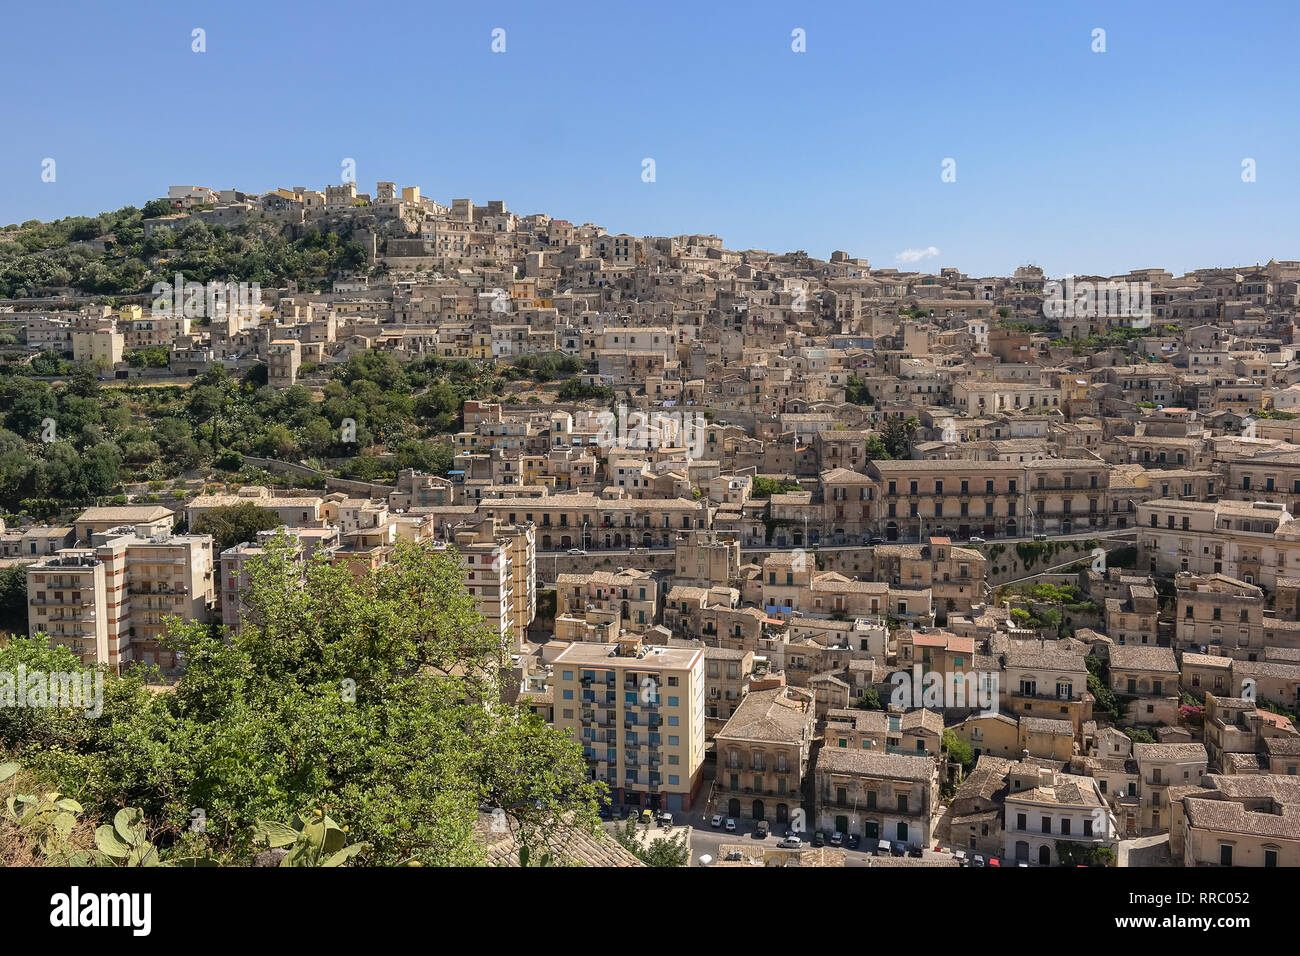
(231, 524)
(958, 749)
(374, 691)
(13, 599)
(897, 436)
(634, 837)
(869, 699)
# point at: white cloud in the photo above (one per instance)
(916, 255)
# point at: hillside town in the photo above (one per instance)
(816, 561)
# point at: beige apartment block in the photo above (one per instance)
(990, 499)
(294, 511)
(500, 565)
(146, 519)
(638, 712)
(880, 796)
(109, 603)
(633, 594)
(1253, 542)
(763, 754)
(572, 520)
(728, 673)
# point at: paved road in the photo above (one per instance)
(704, 840)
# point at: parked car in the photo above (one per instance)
(762, 829)
(837, 838)
(914, 851)
(730, 825)
(853, 841)
(974, 539)
(666, 820)
(716, 821)
(790, 843)
(898, 849)
(1040, 536)
(875, 539)
(647, 817)
(576, 551)
(819, 838)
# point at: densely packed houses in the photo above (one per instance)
(910, 559)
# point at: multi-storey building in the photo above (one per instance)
(763, 754)
(880, 796)
(638, 712)
(1046, 808)
(110, 602)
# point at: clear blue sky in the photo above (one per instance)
(1079, 161)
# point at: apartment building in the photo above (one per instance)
(632, 593)
(990, 499)
(727, 674)
(881, 796)
(500, 565)
(235, 565)
(638, 712)
(109, 603)
(762, 754)
(1249, 541)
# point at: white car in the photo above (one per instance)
(576, 551)
(730, 825)
(717, 820)
(790, 843)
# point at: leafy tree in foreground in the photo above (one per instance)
(375, 692)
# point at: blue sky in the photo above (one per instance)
(1078, 161)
